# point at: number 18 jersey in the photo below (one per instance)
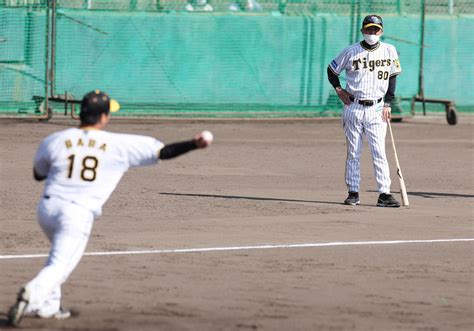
(367, 70)
(85, 166)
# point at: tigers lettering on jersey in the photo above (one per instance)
(371, 65)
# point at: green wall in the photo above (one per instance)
(222, 62)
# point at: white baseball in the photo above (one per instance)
(207, 136)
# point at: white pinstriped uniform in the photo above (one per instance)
(367, 75)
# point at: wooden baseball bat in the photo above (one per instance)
(403, 189)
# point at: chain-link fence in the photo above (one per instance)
(400, 7)
(254, 58)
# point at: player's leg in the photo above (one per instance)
(353, 130)
(68, 227)
(49, 220)
(376, 130)
(72, 225)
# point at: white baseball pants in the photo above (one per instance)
(68, 227)
(359, 120)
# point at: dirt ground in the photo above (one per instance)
(261, 183)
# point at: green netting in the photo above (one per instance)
(22, 57)
(400, 7)
(158, 58)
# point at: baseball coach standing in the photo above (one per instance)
(371, 68)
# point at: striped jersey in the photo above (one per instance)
(367, 71)
(85, 166)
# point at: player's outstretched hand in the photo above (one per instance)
(204, 139)
(344, 96)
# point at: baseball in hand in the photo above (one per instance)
(207, 136)
(204, 139)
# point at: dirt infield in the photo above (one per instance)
(261, 183)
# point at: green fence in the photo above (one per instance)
(161, 58)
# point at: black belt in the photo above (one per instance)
(366, 103)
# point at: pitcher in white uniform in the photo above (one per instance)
(82, 167)
(371, 68)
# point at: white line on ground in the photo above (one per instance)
(239, 248)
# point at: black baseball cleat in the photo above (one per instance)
(17, 311)
(387, 200)
(352, 199)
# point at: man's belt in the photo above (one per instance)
(366, 103)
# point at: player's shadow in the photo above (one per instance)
(437, 194)
(432, 195)
(240, 197)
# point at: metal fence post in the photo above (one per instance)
(451, 7)
(399, 7)
(46, 57)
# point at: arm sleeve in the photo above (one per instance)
(395, 68)
(392, 84)
(141, 150)
(339, 63)
(41, 162)
(37, 176)
(333, 78)
(173, 150)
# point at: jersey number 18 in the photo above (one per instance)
(89, 167)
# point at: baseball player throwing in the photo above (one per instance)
(82, 166)
(371, 68)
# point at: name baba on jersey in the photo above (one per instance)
(91, 143)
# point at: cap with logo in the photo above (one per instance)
(98, 102)
(372, 20)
